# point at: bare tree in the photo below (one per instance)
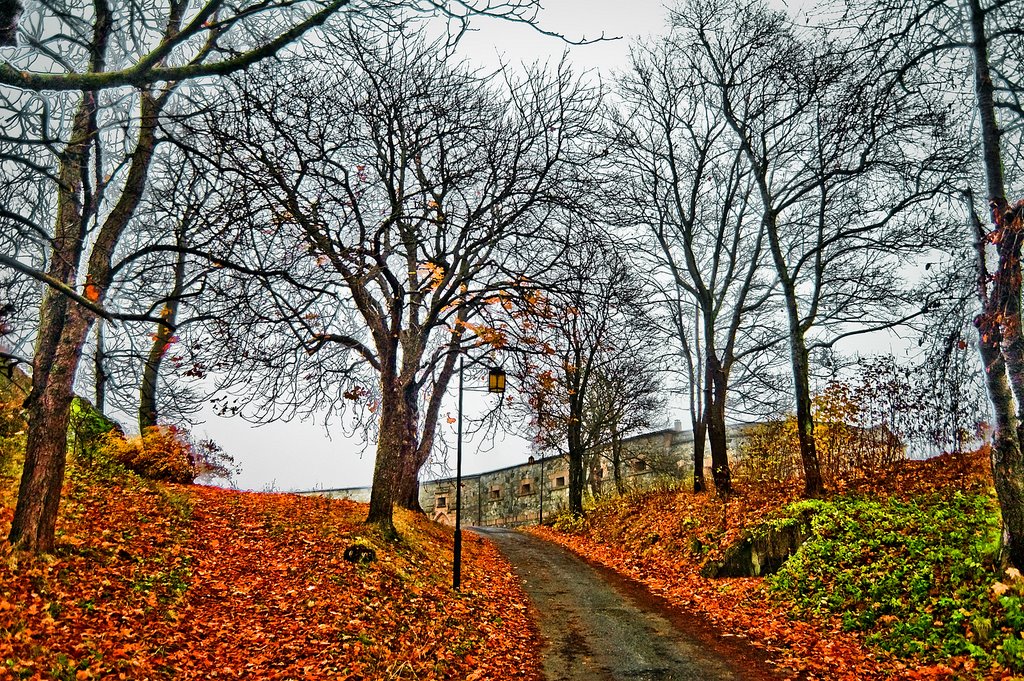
(841, 161)
(161, 271)
(626, 399)
(88, 88)
(132, 44)
(571, 337)
(684, 177)
(400, 193)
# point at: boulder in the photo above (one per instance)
(763, 550)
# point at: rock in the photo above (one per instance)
(762, 551)
(357, 553)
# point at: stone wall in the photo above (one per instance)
(360, 494)
(514, 495)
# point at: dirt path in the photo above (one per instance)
(596, 628)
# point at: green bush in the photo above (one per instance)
(918, 576)
(571, 523)
(87, 429)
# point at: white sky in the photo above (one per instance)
(297, 455)
(301, 455)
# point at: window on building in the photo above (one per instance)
(639, 465)
(600, 473)
(526, 488)
(441, 502)
(494, 493)
(560, 481)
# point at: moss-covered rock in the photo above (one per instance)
(763, 550)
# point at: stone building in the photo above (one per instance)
(522, 494)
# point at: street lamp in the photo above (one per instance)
(495, 384)
(496, 381)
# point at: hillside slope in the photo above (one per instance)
(154, 581)
(899, 579)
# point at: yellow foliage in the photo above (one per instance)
(432, 271)
(160, 453)
(847, 445)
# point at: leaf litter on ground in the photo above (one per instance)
(662, 539)
(153, 581)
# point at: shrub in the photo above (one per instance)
(770, 452)
(168, 453)
(210, 461)
(160, 453)
(849, 443)
(918, 576)
(851, 438)
(571, 523)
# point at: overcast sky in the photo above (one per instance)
(297, 455)
(302, 455)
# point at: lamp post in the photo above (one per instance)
(495, 384)
(540, 519)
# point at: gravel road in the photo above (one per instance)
(596, 628)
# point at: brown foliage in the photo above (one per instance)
(167, 453)
(851, 445)
(158, 581)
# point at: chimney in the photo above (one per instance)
(677, 426)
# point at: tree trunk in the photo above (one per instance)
(63, 327)
(99, 366)
(720, 472)
(413, 456)
(714, 405)
(593, 480)
(63, 330)
(999, 325)
(576, 473)
(700, 433)
(1007, 461)
(620, 485)
(162, 339)
(409, 484)
(423, 441)
(576, 481)
(387, 468)
(574, 438)
(1007, 458)
(813, 484)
